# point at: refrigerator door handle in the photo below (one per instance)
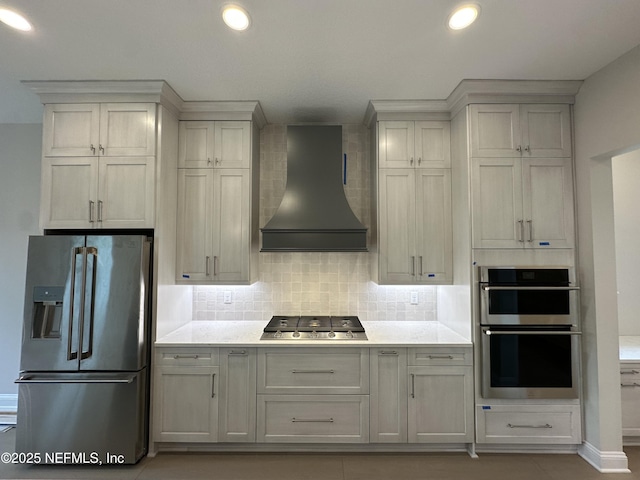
(72, 355)
(89, 300)
(31, 378)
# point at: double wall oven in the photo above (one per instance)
(529, 329)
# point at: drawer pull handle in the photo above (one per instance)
(311, 420)
(546, 425)
(313, 371)
(629, 372)
(388, 352)
(413, 386)
(177, 357)
(634, 384)
(241, 352)
(448, 357)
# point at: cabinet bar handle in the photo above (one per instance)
(213, 385)
(546, 425)
(177, 357)
(93, 149)
(101, 148)
(238, 352)
(419, 160)
(312, 420)
(411, 161)
(100, 211)
(634, 384)
(206, 266)
(313, 371)
(519, 148)
(629, 372)
(218, 161)
(91, 203)
(521, 236)
(215, 265)
(413, 386)
(530, 224)
(421, 271)
(388, 352)
(448, 357)
(413, 266)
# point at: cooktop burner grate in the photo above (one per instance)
(318, 327)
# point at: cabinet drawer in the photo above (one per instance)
(440, 356)
(313, 418)
(187, 356)
(548, 424)
(321, 371)
(629, 372)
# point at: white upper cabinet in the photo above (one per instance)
(91, 129)
(537, 130)
(522, 203)
(215, 144)
(87, 192)
(406, 144)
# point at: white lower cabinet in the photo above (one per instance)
(185, 401)
(630, 393)
(532, 424)
(388, 395)
(237, 395)
(313, 418)
(440, 395)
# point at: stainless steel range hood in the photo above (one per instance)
(314, 215)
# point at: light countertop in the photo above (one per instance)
(247, 334)
(629, 348)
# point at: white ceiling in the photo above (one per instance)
(307, 60)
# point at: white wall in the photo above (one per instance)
(626, 200)
(20, 149)
(607, 123)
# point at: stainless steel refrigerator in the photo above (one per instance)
(83, 384)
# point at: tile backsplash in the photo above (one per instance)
(314, 283)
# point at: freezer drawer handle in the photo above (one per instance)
(488, 288)
(30, 379)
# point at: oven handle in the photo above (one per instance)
(486, 288)
(488, 331)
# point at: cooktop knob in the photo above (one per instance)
(296, 334)
(332, 334)
(349, 334)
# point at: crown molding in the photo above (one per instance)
(231, 110)
(474, 91)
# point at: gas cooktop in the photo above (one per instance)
(314, 328)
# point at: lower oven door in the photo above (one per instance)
(530, 362)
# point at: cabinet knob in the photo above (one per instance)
(411, 161)
(527, 148)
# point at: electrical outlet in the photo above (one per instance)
(414, 298)
(227, 296)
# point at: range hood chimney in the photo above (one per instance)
(314, 215)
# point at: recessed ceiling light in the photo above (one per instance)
(463, 16)
(14, 19)
(235, 17)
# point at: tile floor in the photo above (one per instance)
(328, 467)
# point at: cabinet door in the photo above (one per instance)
(546, 130)
(195, 220)
(397, 228)
(440, 404)
(433, 144)
(388, 397)
(232, 145)
(127, 129)
(186, 404)
(231, 224)
(69, 192)
(495, 130)
(547, 186)
(396, 144)
(433, 219)
(630, 395)
(71, 130)
(126, 192)
(237, 395)
(196, 145)
(497, 203)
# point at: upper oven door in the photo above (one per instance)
(527, 297)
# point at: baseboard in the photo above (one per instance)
(8, 409)
(604, 462)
